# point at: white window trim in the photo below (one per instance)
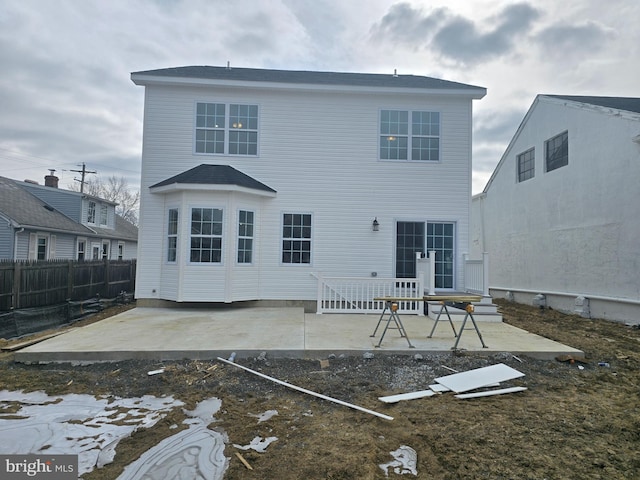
(227, 128)
(121, 250)
(252, 237)
(34, 238)
(91, 202)
(104, 210)
(221, 236)
(282, 238)
(177, 235)
(86, 244)
(105, 243)
(410, 135)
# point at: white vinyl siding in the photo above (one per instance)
(320, 152)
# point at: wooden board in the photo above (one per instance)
(33, 341)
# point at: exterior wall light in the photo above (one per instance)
(375, 225)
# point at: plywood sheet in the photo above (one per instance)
(480, 377)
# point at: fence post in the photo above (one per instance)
(70, 277)
(319, 294)
(105, 288)
(17, 270)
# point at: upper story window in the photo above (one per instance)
(206, 235)
(556, 151)
(526, 165)
(103, 214)
(91, 212)
(409, 135)
(230, 129)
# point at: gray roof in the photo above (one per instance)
(27, 210)
(24, 209)
(307, 77)
(124, 230)
(215, 175)
(630, 104)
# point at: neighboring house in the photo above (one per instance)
(255, 182)
(44, 223)
(559, 216)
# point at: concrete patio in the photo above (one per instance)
(177, 333)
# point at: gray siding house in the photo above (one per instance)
(43, 222)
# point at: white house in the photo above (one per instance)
(256, 183)
(559, 216)
(44, 222)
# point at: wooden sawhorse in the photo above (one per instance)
(444, 309)
(390, 304)
(468, 308)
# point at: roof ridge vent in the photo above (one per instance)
(395, 72)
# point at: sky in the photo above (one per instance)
(66, 97)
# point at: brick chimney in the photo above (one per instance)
(51, 180)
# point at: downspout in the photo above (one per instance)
(15, 242)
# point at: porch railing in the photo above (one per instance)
(356, 294)
(476, 275)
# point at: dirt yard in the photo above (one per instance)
(576, 420)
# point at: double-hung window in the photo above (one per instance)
(409, 135)
(206, 235)
(526, 165)
(557, 151)
(41, 248)
(245, 236)
(296, 238)
(103, 214)
(91, 213)
(172, 235)
(230, 129)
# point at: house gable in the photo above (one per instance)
(568, 231)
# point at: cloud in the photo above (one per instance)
(454, 37)
(568, 41)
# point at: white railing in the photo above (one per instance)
(476, 275)
(357, 294)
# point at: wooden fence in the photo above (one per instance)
(28, 284)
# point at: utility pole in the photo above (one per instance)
(84, 172)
